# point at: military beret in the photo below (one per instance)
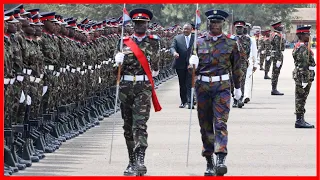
(239, 23)
(277, 24)
(48, 16)
(140, 14)
(303, 29)
(216, 14)
(34, 11)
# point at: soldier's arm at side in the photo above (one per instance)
(155, 60)
(236, 66)
(303, 64)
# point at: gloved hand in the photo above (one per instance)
(119, 58)
(278, 64)
(304, 85)
(194, 60)
(268, 58)
(155, 73)
(263, 52)
(237, 94)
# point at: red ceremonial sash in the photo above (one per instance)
(145, 65)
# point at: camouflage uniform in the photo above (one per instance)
(303, 59)
(278, 45)
(267, 49)
(213, 98)
(135, 96)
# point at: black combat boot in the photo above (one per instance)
(141, 169)
(221, 168)
(240, 102)
(210, 171)
(275, 91)
(301, 123)
(130, 170)
(266, 76)
(261, 68)
(235, 103)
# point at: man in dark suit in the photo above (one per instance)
(181, 49)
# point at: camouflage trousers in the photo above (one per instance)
(267, 64)
(262, 58)
(8, 103)
(301, 95)
(213, 106)
(18, 109)
(135, 110)
(276, 70)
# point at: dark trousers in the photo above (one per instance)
(185, 85)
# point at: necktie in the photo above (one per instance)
(187, 41)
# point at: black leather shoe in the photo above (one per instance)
(189, 106)
(246, 100)
(235, 103)
(182, 105)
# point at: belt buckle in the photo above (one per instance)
(134, 78)
(220, 79)
(210, 79)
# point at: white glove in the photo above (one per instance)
(304, 85)
(28, 100)
(119, 58)
(268, 58)
(44, 90)
(194, 60)
(22, 97)
(155, 73)
(263, 52)
(237, 94)
(278, 64)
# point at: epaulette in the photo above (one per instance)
(154, 37)
(230, 36)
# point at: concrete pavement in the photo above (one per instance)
(262, 138)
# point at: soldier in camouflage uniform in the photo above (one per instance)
(303, 74)
(244, 43)
(136, 90)
(218, 55)
(267, 51)
(277, 47)
(262, 57)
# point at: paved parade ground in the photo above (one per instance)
(262, 138)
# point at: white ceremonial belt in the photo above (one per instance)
(50, 67)
(312, 68)
(6, 80)
(135, 78)
(213, 78)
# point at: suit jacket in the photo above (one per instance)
(179, 45)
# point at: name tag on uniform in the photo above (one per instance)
(203, 51)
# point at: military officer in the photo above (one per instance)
(303, 74)
(217, 56)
